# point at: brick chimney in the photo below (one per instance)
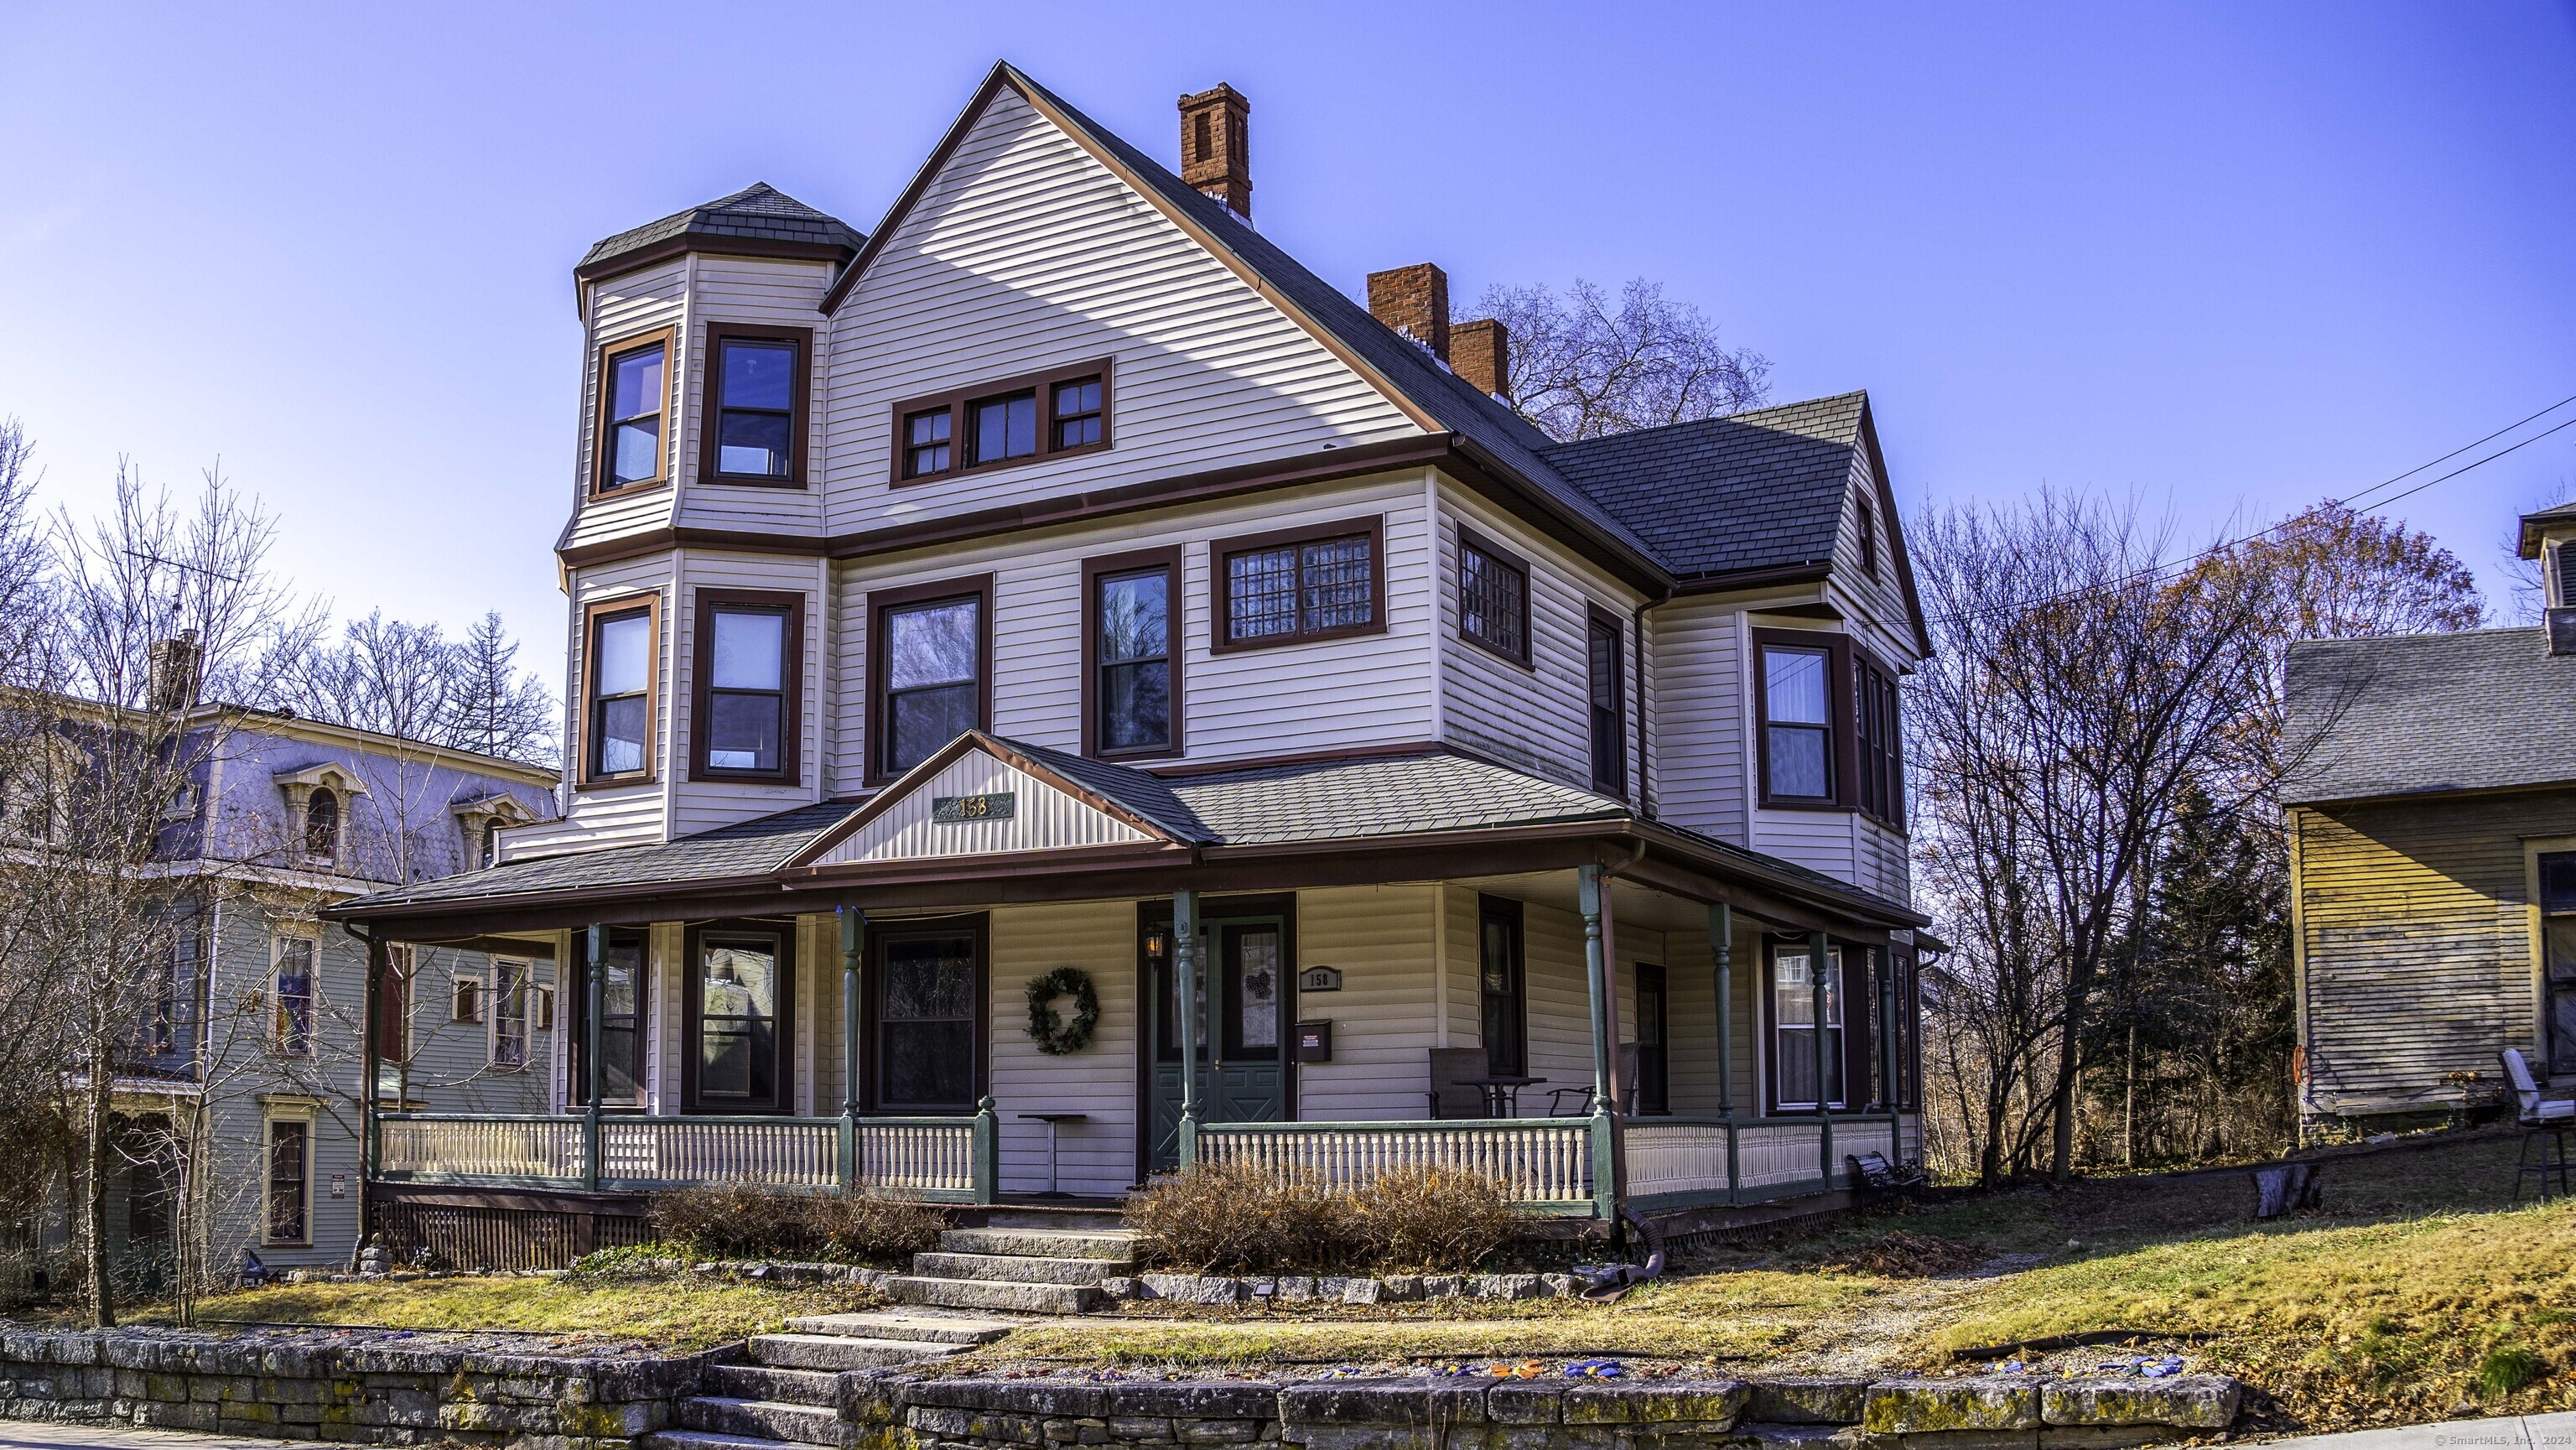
(1415, 302)
(177, 670)
(1216, 154)
(1481, 353)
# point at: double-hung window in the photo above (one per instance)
(1606, 690)
(1003, 422)
(739, 1006)
(291, 995)
(1132, 698)
(634, 392)
(757, 407)
(1881, 735)
(290, 1163)
(1493, 598)
(509, 1013)
(618, 717)
(1502, 987)
(929, 983)
(928, 669)
(1796, 685)
(1302, 584)
(750, 645)
(1793, 1027)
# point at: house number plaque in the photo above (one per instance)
(999, 806)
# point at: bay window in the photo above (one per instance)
(748, 705)
(1793, 1027)
(1794, 686)
(634, 394)
(755, 408)
(618, 679)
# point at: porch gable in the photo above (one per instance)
(978, 798)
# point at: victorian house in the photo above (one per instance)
(1058, 690)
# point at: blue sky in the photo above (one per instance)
(2234, 257)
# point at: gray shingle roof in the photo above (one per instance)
(1753, 490)
(2481, 709)
(745, 848)
(759, 212)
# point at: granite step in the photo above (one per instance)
(1015, 1268)
(1115, 1245)
(798, 1424)
(708, 1440)
(929, 1326)
(768, 1382)
(840, 1352)
(991, 1294)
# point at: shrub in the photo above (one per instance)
(1235, 1218)
(744, 1220)
(2506, 1368)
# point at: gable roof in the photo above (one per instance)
(2536, 524)
(2425, 714)
(759, 220)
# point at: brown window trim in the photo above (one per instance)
(791, 759)
(1857, 1042)
(872, 735)
(1469, 539)
(601, 486)
(1219, 597)
(1845, 754)
(1504, 908)
(1596, 616)
(711, 403)
(1170, 559)
(1863, 664)
(783, 1079)
(955, 401)
(977, 925)
(650, 601)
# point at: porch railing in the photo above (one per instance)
(1545, 1162)
(1680, 1162)
(943, 1159)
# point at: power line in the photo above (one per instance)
(2355, 501)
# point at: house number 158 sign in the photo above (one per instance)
(1000, 806)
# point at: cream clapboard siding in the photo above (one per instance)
(1043, 818)
(705, 805)
(770, 292)
(1097, 1157)
(1819, 840)
(1362, 690)
(621, 307)
(624, 815)
(1699, 738)
(1380, 937)
(1537, 718)
(2415, 938)
(1690, 976)
(1025, 253)
(1875, 608)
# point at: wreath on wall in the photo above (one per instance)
(1054, 1036)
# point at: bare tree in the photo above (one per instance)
(1581, 368)
(500, 709)
(411, 681)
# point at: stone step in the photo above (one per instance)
(1015, 1268)
(990, 1294)
(1117, 1245)
(708, 1440)
(798, 1424)
(767, 1382)
(839, 1352)
(928, 1326)
(1064, 1218)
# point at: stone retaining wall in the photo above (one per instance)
(369, 1387)
(2019, 1412)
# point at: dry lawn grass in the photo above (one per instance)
(680, 1312)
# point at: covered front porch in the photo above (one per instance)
(1640, 1005)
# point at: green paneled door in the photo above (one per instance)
(1242, 1033)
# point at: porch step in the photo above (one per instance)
(1019, 1298)
(706, 1440)
(800, 1424)
(1116, 1245)
(928, 1326)
(840, 1351)
(1015, 1268)
(766, 1382)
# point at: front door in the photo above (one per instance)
(1242, 1067)
(1654, 1079)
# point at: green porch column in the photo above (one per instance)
(1596, 975)
(1816, 968)
(1721, 951)
(372, 1146)
(1185, 986)
(854, 924)
(594, 998)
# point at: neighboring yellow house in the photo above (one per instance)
(2432, 819)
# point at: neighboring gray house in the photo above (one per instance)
(253, 1061)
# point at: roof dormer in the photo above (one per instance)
(2549, 536)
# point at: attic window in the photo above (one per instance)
(1862, 512)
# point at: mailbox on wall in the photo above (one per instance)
(1315, 1041)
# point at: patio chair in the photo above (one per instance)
(1576, 1102)
(2538, 1116)
(1451, 1098)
